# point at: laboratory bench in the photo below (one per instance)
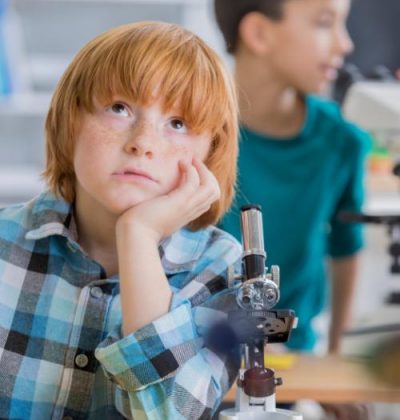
(329, 379)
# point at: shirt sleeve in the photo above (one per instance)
(164, 370)
(346, 238)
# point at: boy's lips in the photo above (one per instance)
(330, 72)
(331, 68)
(133, 173)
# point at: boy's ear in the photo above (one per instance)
(255, 32)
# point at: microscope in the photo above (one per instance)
(392, 221)
(375, 107)
(255, 324)
(378, 336)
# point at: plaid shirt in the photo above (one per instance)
(60, 320)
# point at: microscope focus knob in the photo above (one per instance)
(259, 382)
(275, 274)
(258, 294)
(271, 295)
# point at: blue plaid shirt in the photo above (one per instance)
(62, 355)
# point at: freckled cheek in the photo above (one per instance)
(170, 156)
(172, 153)
(187, 152)
(93, 153)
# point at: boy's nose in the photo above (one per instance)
(344, 43)
(141, 141)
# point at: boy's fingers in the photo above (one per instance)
(183, 168)
(189, 179)
(209, 190)
(192, 180)
(196, 190)
(207, 178)
(204, 173)
(183, 197)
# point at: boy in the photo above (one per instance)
(106, 279)
(298, 158)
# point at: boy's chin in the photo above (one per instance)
(325, 85)
(320, 88)
(121, 206)
(119, 209)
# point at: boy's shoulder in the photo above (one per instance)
(329, 118)
(209, 240)
(219, 237)
(17, 220)
(186, 249)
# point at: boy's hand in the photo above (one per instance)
(161, 216)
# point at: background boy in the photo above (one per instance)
(298, 158)
(100, 270)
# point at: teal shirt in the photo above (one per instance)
(302, 183)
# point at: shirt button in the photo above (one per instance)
(81, 360)
(96, 292)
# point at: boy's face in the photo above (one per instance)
(126, 154)
(310, 42)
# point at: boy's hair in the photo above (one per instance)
(136, 60)
(229, 14)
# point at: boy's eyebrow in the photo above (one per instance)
(325, 10)
(115, 97)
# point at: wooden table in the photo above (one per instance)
(331, 379)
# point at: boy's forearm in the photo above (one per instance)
(344, 275)
(144, 288)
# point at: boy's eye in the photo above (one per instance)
(178, 125)
(325, 23)
(325, 20)
(119, 109)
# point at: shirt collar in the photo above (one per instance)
(53, 216)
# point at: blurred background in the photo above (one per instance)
(38, 38)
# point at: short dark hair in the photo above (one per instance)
(229, 13)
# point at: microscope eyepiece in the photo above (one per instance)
(258, 291)
(254, 255)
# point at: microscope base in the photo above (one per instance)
(232, 414)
